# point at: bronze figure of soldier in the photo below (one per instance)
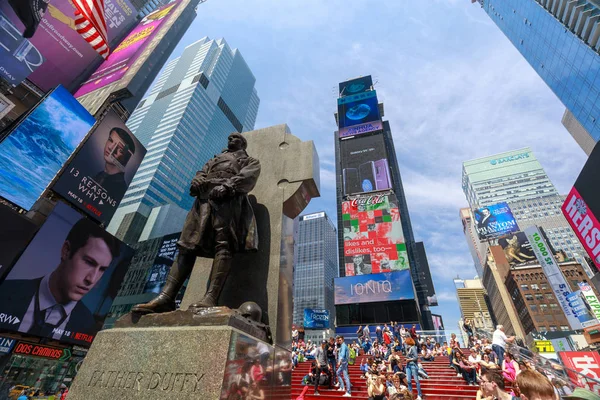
(220, 223)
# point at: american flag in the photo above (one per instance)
(90, 23)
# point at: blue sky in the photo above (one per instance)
(454, 88)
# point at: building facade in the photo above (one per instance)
(560, 40)
(473, 303)
(197, 101)
(315, 267)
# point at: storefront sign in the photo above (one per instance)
(38, 350)
(544, 346)
(6, 344)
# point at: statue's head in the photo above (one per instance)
(236, 141)
(251, 310)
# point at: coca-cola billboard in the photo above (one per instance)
(373, 236)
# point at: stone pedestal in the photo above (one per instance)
(190, 362)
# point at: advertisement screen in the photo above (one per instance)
(64, 283)
(517, 249)
(373, 236)
(355, 86)
(364, 165)
(121, 58)
(316, 319)
(96, 179)
(438, 323)
(581, 309)
(36, 149)
(582, 206)
(358, 109)
(162, 264)
(493, 221)
(66, 54)
(19, 57)
(385, 286)
(591, 298)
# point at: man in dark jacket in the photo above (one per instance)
(220, 223)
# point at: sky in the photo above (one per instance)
(453, 87)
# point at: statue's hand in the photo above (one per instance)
(198, 186)
(220, 192)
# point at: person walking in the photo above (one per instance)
(342, 366)
(412, 369)
(499, 340)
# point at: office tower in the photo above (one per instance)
(473, 303)
(197, 101)
(581, 136)
(315, 267)
(560, 40)
(374, 227)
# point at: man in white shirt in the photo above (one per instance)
(499, 340)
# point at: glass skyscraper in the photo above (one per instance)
(197, 101)
(315, 261)
(560, 39)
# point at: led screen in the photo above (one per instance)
(365, 165)
(316, 319)
(358, 109)
(19, 57)
(157, 276)
(386, 286)
(355, 86)
(495, 220)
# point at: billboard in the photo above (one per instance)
(19, 56)
(354, 86)
(581, 309)
(438, 323)
(16, 231)
(373, 235)
(495, 220)
(582, 206)
(130, 49)
(587, 363)
(96, 179)
(358, 109)
(66, 54)
(37, 148)
(71, 271)
(316, 319)
(591, 298)
(555, 277)
(517, 249)
(364, 165)
(386, 286)
(157, 276)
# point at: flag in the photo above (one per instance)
(90, 23)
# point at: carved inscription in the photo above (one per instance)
(136, 380)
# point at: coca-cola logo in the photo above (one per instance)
(365, 201)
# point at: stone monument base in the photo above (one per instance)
(177, 362)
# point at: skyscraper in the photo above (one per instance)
(197, 101)
(560, 40)
(473, 302)
(315, 266)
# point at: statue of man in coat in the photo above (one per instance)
(220, 223)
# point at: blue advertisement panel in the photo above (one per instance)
(6, 344)
(581, 309)
(36, 149)
(358, 109)
(354, 86)
(495, 220)
(385, 286)
(316, 319)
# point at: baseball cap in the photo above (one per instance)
(582, 394)
(324, 341)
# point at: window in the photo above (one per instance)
(534, 286)
(553, 306)
(524, 287)
(549, 296)
(564, 328)
(553, 328)
(543, 307)
(539, 297)
(529, 297)
(533, 308)
(544, 286)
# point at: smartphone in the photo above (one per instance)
(382, 175)
(366, 174)
(351, 182)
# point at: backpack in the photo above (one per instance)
(352, 357)
(323, 380)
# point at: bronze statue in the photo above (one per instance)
(220, 223)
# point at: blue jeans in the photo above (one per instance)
(499, 350)
(412, 371)
(331, 363)
(343, 370)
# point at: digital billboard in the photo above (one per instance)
(495, 220)
(316, 319)
(364, 165)
(19, 57)
(121, 58)
(157, 276)
(386, 286)
(581, 309)
(98, 176)
(517, 249)
(36, 149)
(358, 109)
(66, 54)
(582, 206)
(591, 298)
(355, 86)
(373, 235)
(438, 323)
(64, 283)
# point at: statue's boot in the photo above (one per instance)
(165, 301)
(220, 270)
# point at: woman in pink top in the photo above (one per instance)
(510, 368)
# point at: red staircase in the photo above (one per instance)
(443, 384)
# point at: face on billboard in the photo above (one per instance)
(517, 249)
(373, 236)
(356, 86)
(98, 176)
(364, 165)
(495, 220)
(66, 54)
(358, 109)
(385, 286)
(38, 147)
(69, 273)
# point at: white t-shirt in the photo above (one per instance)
(499, 338)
